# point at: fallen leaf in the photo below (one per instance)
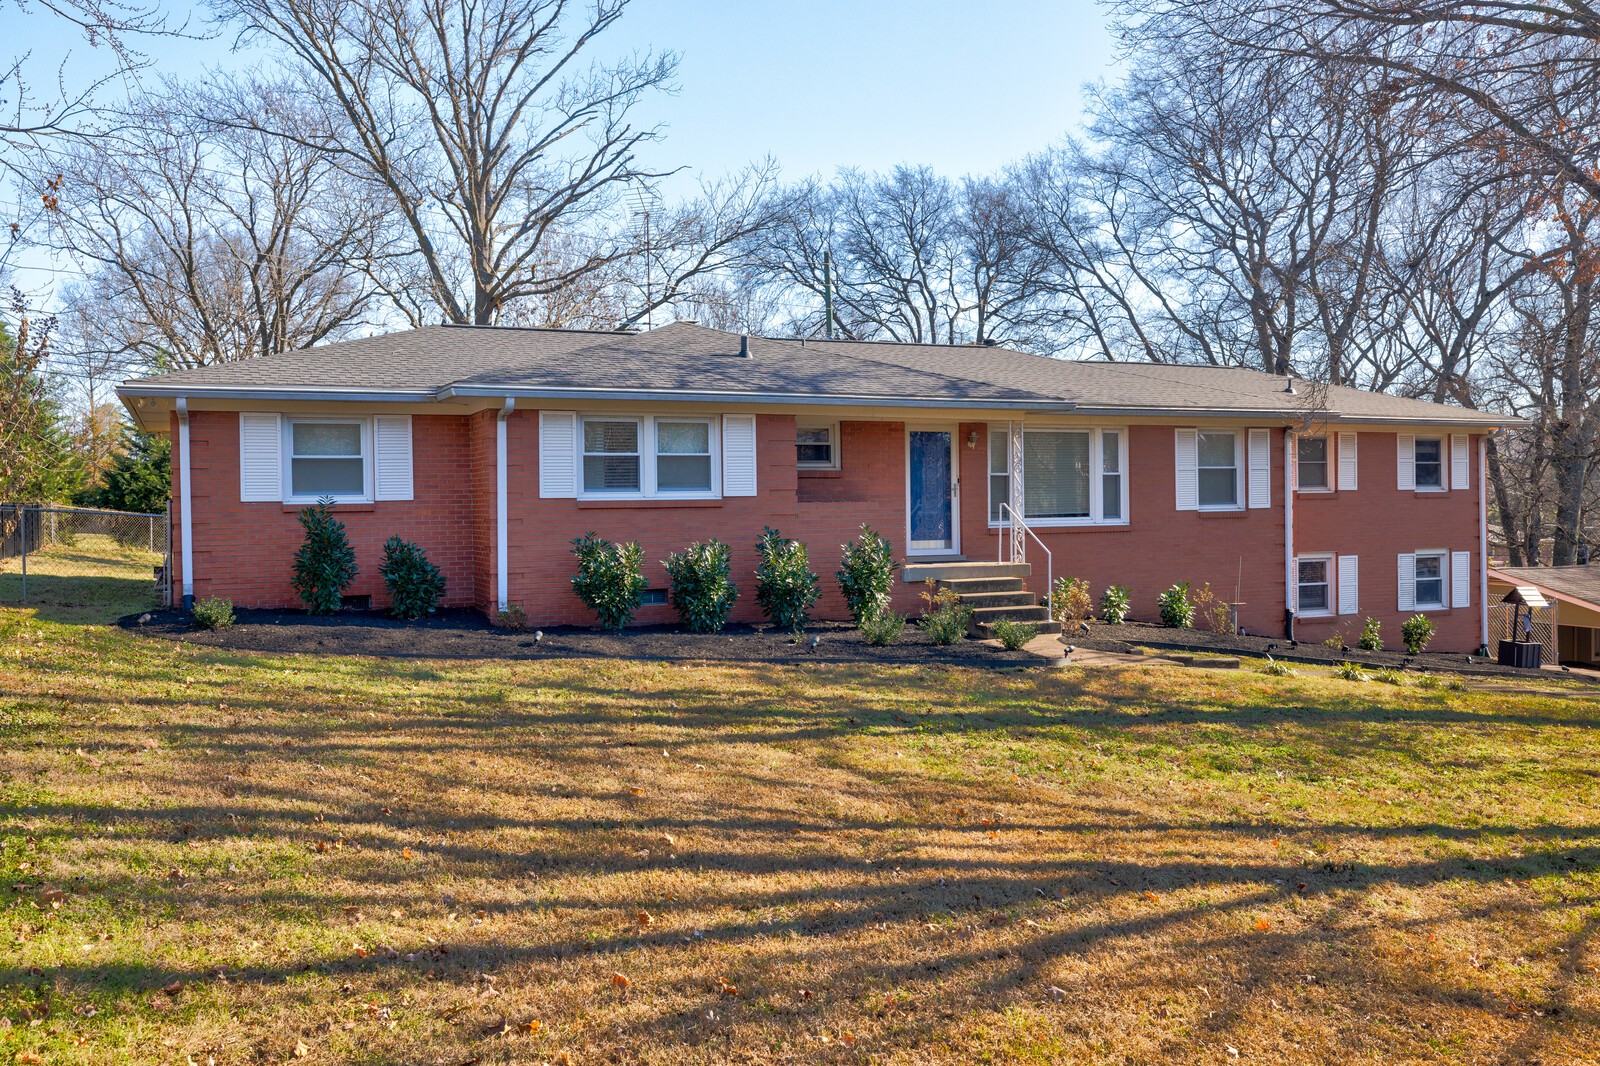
(1151, 896)
(645, 918)
(847, 1038)
(530, 1027)
(727, 987)
(635, 791)
(1058, 993)
(300, 1049)
(1262, 925)
(405, 853)
(173, 989)
(51, 894)
(619, 981)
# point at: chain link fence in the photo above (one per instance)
(84, 560)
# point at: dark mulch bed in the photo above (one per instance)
(1132, 635)
(468, 635)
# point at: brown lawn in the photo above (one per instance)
(210, 856)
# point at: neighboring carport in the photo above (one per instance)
(1570, 627)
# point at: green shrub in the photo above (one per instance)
(1416, 632)
(415, 585)
(215, 613)
(1115, 603)
(944, 617)
(1371, 638)
(1350, 671)
(701, 585)
(1455, 684)
(325, 564)
(866, 575)
(1013, 635)
(610, 578)
(1070, 600)
(1390, 677)
(1334, 642)
(1176, 608)
(882, 628)
(1276, 669)
(1428, 681)
(786, 588)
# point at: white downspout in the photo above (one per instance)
(1288, 532)
(501, 554)
(186, 523)
(1483, 541)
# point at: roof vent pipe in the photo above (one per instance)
(744, 346)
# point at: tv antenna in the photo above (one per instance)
(645, 203)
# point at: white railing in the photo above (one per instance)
(1015, 524)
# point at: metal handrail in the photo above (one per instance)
(1049, 558)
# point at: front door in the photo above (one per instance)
(931, 492)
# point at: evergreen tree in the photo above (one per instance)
(140, 477)
(325, 564)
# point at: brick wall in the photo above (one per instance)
(244, 551)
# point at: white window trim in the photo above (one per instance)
(1444, 579)
(1329, 463)
(368, 472)
(647, 457)
(1332, 582)
(1444, 467)
(833, 449)
(1241, 487)
(1096, 477)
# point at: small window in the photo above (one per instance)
(1430, 462)
(817, 447)
(999, 472)
(683, 456)
(1219, 470)
(653, 598)
(327, 459)
(1430, 580)
(610, 456)
(1111, 476)
(1314, 594)
(1313, 456)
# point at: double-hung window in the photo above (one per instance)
(1069, 476)
(817, 446)
(1314, 590)
(1429, 579)
(1218, 470)
(1430, 462)
(648, 457)
(1312, 465)
(328, 457)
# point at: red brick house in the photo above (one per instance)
(493, 447)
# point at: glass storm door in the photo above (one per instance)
(932, 490)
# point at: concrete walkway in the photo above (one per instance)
(1049, 648)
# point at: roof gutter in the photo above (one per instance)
(450, 392)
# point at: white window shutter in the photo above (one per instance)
(1460, 465)
(738, 455)
(1406, 475)
(1347, 462)
(1261, 468)
(1460, 579)
(260, 458)
(1349, 584)
(1188, 469)
(558, 455)
(1408, 582)
(391, 454)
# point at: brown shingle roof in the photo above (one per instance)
(690, 360)
(1578, 582)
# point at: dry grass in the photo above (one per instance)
(92, 579)
(268, 859)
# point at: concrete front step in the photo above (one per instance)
(1028, 613)
(983, 630)
(917, 572)
(1017, 598)
(970, 586)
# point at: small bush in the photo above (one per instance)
(1350, 672)
(882, 628)
(1334, 642)
(1455, 684)
(1013, 635)
(325, 564)
(702, 589)
(786, 588)
(1390, 677)
(944, 617)
(1115, 603)
(215, 613)
(1428, 681)
(1176, 608)
(1416, 632)
(866, 575)
(415, 585)
(1215, 613)
(1371, 638)
(1274, 668)
(1070, 600)
(610, 578)
(512, 617)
